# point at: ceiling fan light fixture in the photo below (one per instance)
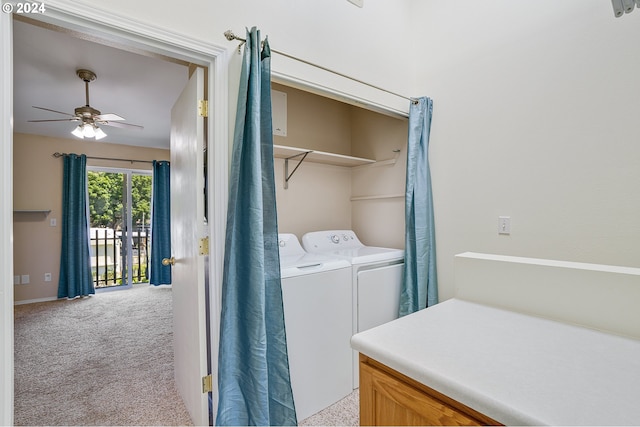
(78, 132)
(86, 130)
(99, 134)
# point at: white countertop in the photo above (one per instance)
(514, 368)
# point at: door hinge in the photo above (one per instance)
(203, 108)
(207, 384)
(203, 246)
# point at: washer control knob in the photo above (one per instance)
(345, 237)
(335, 238)
(281, 243)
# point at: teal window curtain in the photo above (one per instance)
(254, 383)
(420, 284)
(160, 224)
(75, 258)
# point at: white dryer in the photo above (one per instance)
(316, 294)
(376, 278)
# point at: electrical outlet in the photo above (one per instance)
(47, 277)
(504, 225)
(25, 279)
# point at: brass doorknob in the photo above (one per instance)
(168, 261)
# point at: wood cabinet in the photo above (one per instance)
(388, 397)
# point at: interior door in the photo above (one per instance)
(187, 228)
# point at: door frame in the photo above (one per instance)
(139, 35)
(128, 245)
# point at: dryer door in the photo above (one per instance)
(378, 295)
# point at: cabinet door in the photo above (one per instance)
(388, 400)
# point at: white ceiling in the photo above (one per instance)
(141, 89)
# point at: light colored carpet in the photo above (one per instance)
(102, 360)
(345, 412)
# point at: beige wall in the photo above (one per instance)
(319, 195)
(379, 221)
(315, 122)
(38, 185)
(317, 198)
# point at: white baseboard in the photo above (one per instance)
(31, 301)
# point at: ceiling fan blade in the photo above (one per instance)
(122, 125)
(54, 111)
(54, 120)
(108, 117)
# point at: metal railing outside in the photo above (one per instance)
(108, 257)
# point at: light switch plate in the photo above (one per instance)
(504, 225)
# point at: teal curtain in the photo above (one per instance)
(75, 258)
(420, 284)
(254, 382)
(160, 224)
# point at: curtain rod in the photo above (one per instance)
(56, 155)
(231, 36)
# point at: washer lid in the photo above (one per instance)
(346, 245)
(295, 261)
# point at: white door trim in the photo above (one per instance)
(110, 26)
(6, 221)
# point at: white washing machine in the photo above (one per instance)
(316, 294)
(376, 278)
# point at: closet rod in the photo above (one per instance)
(56, 155)
(231, 36)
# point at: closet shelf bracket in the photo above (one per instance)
(386, 162)
(287, 175)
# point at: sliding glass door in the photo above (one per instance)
(119, 217)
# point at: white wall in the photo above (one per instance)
(368, 43)
(536, 117)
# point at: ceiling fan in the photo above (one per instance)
(88, 116)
